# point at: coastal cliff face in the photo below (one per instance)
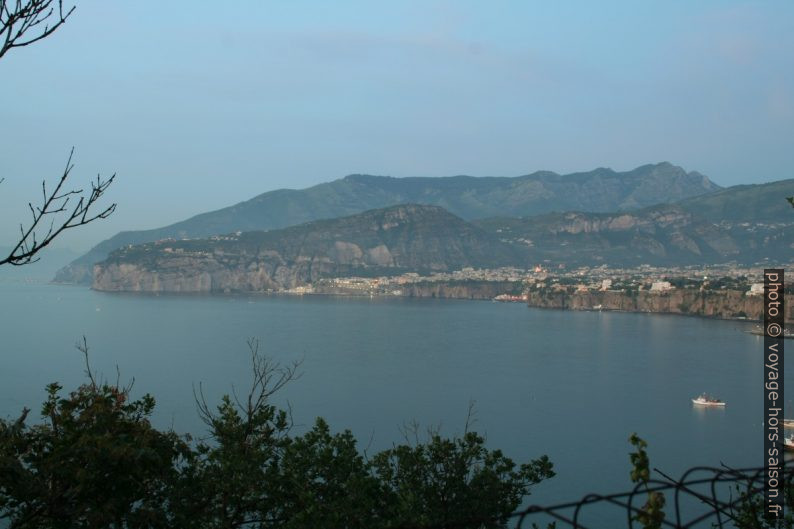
(726, 304)
(380, 242)
(477, 290)
(215, 272)
(191, 275)
(208, 273)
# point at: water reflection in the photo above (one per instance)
(702, 412)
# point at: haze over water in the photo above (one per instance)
(572, 385)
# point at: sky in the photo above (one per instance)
(199, 105)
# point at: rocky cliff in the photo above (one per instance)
(388, 241)
(664, 235)
(724, 304)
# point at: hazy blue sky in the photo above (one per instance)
(197, 105)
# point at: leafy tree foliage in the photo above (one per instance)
(651, 515)
(445, 481)
(96, 461)
(327, 483)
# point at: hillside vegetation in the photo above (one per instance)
(600, 190)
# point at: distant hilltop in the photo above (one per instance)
(416, 238)
(385, 241)
(471, 198)
(746, 224)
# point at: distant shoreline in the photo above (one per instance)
(728, 305)
(731, 305)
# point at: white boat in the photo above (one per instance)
(705, 400)
(788, 443)
(788, 423)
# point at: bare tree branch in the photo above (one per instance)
(83, 348)
(268, 377)
(471, 417)
(40, 233)
(24, 22)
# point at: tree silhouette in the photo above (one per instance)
(22, 23)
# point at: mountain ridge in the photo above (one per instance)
(387, 241)
(748, 224)
(426, 239)
(469, 197)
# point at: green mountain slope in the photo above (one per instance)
(600, 190)
(745, 203)
(379, 242)
(746, 224)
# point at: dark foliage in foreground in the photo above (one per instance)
(96, 461)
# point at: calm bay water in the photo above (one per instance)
(572, 385)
